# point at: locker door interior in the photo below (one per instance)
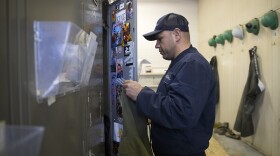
(122, 60)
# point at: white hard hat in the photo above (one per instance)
(238, 32)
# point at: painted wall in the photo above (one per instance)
(216, 16)
(149, 11)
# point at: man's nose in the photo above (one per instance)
(157, 45)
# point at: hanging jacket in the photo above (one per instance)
(214, 65)
(134, 141)
(253, 88)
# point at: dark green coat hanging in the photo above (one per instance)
(134, 141)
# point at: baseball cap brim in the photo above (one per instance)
(151, 36)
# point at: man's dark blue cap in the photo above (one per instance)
(168, 22)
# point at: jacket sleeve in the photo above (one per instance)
(186, 95)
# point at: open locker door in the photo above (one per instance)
(122, 62)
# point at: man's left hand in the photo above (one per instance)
(132, 88)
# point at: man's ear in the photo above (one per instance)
(177, 33)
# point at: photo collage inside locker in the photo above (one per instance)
(122, 64)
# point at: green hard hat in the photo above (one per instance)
(212, 42)
(253, 26)
(220, 39)
(228, 35)
(270, 20)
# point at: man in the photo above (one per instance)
(182, 110)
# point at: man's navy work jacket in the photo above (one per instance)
(182, 110)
